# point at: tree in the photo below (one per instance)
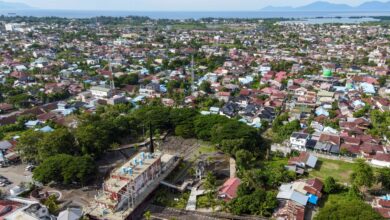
(52, 204)
(341, 207)
(244, 158)
(260, 202)
(382, 80)
(204, 125)
(205, 86)
(65, 169)
(330, 185)
(59, 141)
(93, 139)
(28, 145)
(210, 186)
(363, 175)
(384, 177)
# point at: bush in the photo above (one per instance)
(65, 169)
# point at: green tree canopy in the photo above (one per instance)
(384, 177)
(363, 175)
(342, 207)
(59, 141)
(65, 169)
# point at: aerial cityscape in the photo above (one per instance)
(254, 111)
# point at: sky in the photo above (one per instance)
(170, 5)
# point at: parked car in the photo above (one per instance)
(30, 168)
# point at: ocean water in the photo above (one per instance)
(185, 15)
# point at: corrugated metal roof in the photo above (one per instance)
(311, 161)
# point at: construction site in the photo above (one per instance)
(129, 185)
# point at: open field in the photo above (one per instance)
(339, 170)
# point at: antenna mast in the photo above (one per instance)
(112, 84)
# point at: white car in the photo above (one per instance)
(30, 168)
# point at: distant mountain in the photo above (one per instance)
(321, 6)
(13, 6)
(327, 6)
(272, 8)
(374, 6)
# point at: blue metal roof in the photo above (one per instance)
(313, 199)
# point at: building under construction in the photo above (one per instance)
(130, 184)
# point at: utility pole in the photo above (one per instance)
(192, 74)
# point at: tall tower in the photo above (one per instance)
(192, 74)
(112, 84)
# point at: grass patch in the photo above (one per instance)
(205, 149)
(165, 197)
(337, 169)
(276, 161)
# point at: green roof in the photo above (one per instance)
(327, 73)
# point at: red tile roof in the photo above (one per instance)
(384, 203)
(384, 212)
(229, 188)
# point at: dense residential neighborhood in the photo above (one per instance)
(140, 118)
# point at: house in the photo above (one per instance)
(214, 110)
(286, 192)
(300, 193)
(289, 210)
(228, 190)
(101, 92)
(329, 143)
(70, 214)
(150, 90)
(223, 96)
(298, 141)
(32, 211)
(32, 123)
(5, 107)
(7, 207)
(116, 99)
(5, 145)
(381, 159)
(382, 206)
(304, 160)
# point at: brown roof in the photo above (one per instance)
(290, 211)
(8, 120)
(316, 184)
(384, 203)
(6, 107)
(351, 140)
(384, 212)
(33, 111)
(334, 139)
(46, 116)
(382, 157)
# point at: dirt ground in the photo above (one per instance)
(185, 148)
(16, 174)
